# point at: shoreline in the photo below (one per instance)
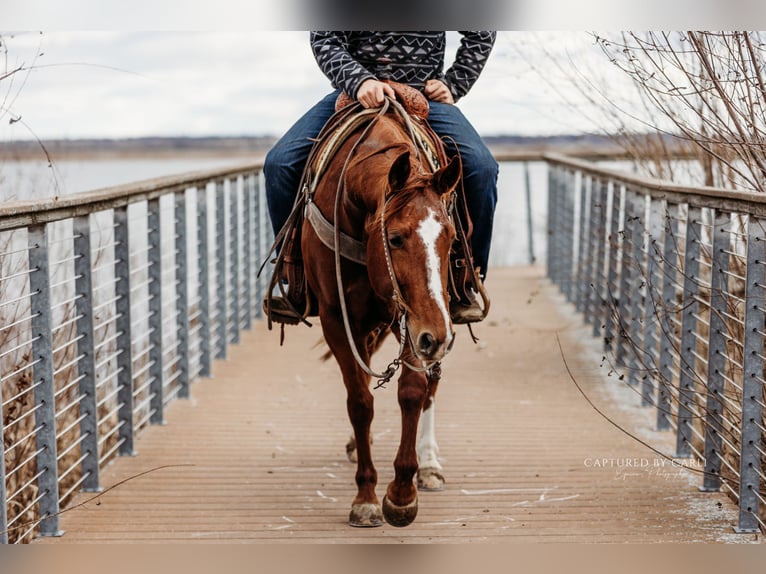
(128, 155)
(583, 146)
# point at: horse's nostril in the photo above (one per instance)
(427, 344)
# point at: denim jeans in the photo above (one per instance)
(285, 162)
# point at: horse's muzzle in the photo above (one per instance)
(430, 348)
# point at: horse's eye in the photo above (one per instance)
(396, 241)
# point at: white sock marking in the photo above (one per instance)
(429, 231)
(428, 450)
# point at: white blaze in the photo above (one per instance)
(429, 231)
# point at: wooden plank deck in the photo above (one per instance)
(257, 453)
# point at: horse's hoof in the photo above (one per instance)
(365, 515)
(430, 479)
(399, 515)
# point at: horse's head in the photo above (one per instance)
(408, 252)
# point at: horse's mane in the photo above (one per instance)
(402, 197)
(379, 158)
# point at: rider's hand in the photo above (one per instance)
(438, 91)
(371, 94)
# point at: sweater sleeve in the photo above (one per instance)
(331, 53)
(470, 59)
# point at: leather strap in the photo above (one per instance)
(350, 248)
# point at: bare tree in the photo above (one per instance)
(711, 87)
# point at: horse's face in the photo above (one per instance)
(418, 236)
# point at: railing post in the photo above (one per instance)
(123, 312)
(751, 459)
(584, 266)
(550, 252)
(204, 282)
(156, 373)
(597, 292)
(669, 305)
(612, 275)
(86, 349)
(262, 235)
(247, 247)
(652, 302)
(637, 358)
(567, 234)
(528, 201)
(235, 259)
(45, 404)
(688, 328)
(627, 271)
(716, 352)
(561, 219)
(220, 275)
(182, 292)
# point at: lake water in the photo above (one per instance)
(36, 180)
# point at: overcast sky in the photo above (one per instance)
(251, 78)
(144, 83)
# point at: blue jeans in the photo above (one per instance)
(285, 162)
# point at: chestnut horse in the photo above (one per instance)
(379, 190)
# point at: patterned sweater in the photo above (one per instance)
(350, 58)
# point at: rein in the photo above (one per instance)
(397, 296)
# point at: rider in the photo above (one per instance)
(355, 63)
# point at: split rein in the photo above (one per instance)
(431, 369)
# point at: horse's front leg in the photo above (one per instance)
(365, 509)
(400, 505)
(430, 475)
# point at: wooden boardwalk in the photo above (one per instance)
(257, 454)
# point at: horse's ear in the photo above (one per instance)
(445, 179)
(400, 171)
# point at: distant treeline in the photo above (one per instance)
(582, 145)
(145, 146)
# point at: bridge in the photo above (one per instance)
(615, 393)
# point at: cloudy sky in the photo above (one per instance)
(240, 73)
(143, 83)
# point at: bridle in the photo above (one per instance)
(397, 297)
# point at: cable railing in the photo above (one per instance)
(672, 279)
(112, 303)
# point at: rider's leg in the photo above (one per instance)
(283, 166)
(282, 171)
(480, 171)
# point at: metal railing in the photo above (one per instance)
(672, 279)
(111, 303)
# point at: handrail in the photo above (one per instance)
(672, 279)
(701, 195)
(181, 252)
(21, 213)
(170, 297)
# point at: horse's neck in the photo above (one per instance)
(363, 180)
